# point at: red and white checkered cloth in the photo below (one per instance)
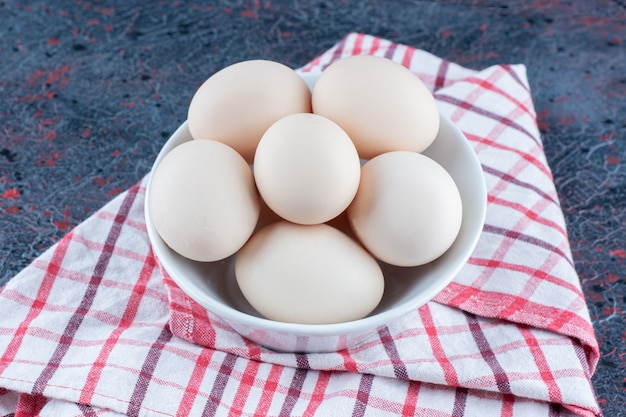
(94, 327)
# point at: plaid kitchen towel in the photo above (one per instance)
(95, 327)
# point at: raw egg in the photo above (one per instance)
(203, 200)
(407, 211)
(381, 104)
(237, 104)
(308, 274)
(306, 168)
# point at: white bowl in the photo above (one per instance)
(214, 287)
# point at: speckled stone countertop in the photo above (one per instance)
(90, 90)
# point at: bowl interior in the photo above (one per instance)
(213, 284)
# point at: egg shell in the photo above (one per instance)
(380, 104)
(408, 209)
(308, 274)
(203, 200)
(237, 104)
(306, 168)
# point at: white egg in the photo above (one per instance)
(306, 168)
(203, 201)
(380, 104)
(308, 274)
(407, 211)
(237, 104)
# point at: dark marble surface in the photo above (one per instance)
(90, 90)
